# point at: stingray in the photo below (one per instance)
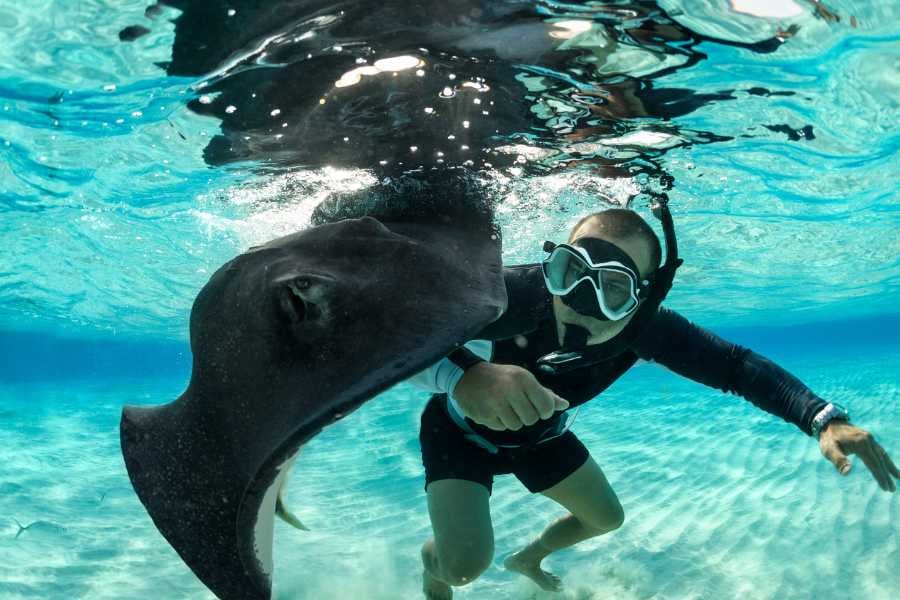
(287, 338)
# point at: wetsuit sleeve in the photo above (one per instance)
(691, 351)
(442, 376)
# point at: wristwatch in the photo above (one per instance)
(826, 415)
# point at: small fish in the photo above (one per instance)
(40, 526)
(181, 135)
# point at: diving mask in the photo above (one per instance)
(594, 278)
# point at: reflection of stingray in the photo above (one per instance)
(270, 73)
(287, 339)
(271, 70)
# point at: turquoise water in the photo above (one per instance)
(112, 219)
(731, 504)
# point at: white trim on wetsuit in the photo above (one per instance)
(442, 376)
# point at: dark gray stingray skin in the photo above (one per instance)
(286, 339)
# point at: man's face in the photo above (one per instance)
(639, 251)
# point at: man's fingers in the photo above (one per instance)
(524, 409)
(867, 454)
(544, 401)
(882, 459)
(872, 454)
(837, 457)
(891, 466)
(509, 418)
(494, 423)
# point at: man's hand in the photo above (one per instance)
(840, 438)
(505, 397)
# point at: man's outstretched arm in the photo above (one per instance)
(691, 351)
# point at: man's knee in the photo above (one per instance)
(465, 565)
(610, 519)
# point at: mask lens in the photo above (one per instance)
(563, 269)
(616, 289)
(575, 270)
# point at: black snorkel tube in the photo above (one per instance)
(575, 352)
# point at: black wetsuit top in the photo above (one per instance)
(527, 331)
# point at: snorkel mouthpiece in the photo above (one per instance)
(570, 355)
(576, 337)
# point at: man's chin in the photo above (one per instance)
(600, 331)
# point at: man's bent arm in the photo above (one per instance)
(691, 351)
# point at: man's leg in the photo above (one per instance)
(463, 542)
(593, 508)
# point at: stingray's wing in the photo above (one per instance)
(208, 467)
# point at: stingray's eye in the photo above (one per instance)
(298, 299)
(292, 303)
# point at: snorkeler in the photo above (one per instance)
(575, 323)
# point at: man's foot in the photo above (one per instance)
(434, 589)
(533, 571)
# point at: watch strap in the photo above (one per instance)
(828, 414)
(464, 358)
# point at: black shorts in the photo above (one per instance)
(447, 454)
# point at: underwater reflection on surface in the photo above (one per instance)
(404, 85)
